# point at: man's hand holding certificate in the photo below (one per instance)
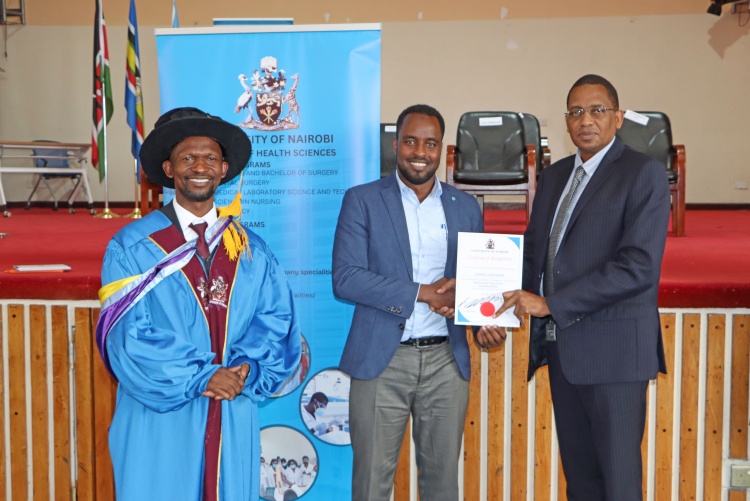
(489, 264)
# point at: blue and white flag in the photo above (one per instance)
(133, 97)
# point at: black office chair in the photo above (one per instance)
(52, 158)
(387, 155)
(654, 138)
(491, 157)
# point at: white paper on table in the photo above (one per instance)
(488, 265)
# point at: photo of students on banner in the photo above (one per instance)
(324, 407)
(300, 373)
(288, 464)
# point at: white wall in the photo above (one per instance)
(694, 67)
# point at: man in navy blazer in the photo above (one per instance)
(394, 256)
(592, 259)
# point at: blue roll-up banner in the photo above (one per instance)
(309, 99)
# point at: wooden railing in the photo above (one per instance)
(697, 418)
(56, 403)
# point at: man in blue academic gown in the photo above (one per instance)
(197, 325)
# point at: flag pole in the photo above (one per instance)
(106, 213)
(136, 214)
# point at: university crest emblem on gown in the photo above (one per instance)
(216, 293)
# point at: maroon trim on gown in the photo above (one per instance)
(213, 291)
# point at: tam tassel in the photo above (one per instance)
(234, 236)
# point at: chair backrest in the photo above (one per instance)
(387, 155)
(653, 138)
(533, 133)
(491, 141)
(50, 162)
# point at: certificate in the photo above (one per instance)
(488, 265)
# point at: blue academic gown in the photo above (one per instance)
(160, 352)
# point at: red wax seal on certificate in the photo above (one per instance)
(487, 309)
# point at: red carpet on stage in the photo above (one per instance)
(41, 236)
(708, 268)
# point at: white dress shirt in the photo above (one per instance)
(186, 218)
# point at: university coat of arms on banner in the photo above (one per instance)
(269, 105)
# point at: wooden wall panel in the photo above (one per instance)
(17, 396)
(714, 407)
(95, 398)
(472, 427)
(105, 389)
(39, 406)
(689, 407)
(2, 409)
(738, 417)
(543, 436)
(84, 378)
(401, 481)
(61, 402)
(644, 448)
(495, 422)
(519, 439)
(665, 413)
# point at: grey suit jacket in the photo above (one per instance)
(372, 268)
(606, 270)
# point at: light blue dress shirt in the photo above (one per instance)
(428, 239)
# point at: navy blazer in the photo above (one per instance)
(372, 268)
(606, 270)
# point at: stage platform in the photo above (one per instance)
(707, 268)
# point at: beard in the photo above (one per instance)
(416, 178)
(198, 196)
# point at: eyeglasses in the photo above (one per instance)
(596, 111)
(321, 405)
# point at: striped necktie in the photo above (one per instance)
(556, 235)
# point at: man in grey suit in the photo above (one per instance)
(592, 258)
(394, 256)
